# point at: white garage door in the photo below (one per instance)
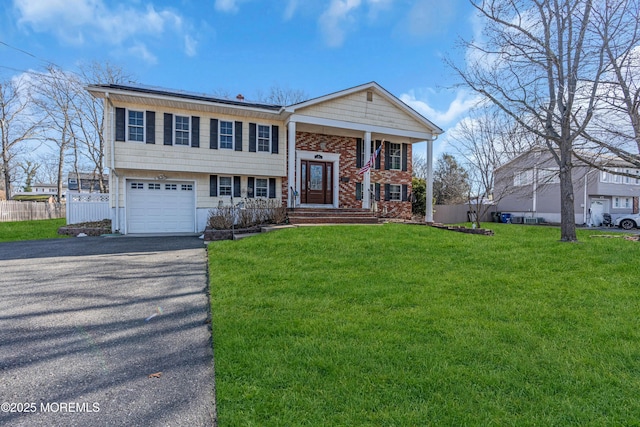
(160, 207)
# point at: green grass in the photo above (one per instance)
(404, 325)
(31, 230)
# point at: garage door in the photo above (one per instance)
(160, 207)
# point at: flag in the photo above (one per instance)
(371, 161)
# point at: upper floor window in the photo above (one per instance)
(182, 130)
(264, 138)
(136, 126)
(523, 178)
(395, 154)
(226, 134)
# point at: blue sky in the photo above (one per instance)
(247, 46)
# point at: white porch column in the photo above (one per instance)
(291, 175)
(366, 196)
(429, 214)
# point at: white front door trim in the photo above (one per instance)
(321, 157)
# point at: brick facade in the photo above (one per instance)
(348, 173)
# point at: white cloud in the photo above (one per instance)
(82, 21)
(139, 50)
(335, 18)
(190, 46)
(462, 103)
(290, 10)
(228, 6)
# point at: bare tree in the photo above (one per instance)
(450, 181)
(485, 140)
(90, 118)
(30, 170)
(279, 95)
(419, 166)
(56, 93)
(18, 124)
(616, 127)
(539, 63)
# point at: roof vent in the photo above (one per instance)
(240, 97)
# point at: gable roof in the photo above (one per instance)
(376, 88)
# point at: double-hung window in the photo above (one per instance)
(136, 126)
(262, 187)
(226, 134)
(225, 187)
(395, 154)
(264, 138)
(395, 192)
(182, 130)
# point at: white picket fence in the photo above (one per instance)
(12, 210)
(87, 207)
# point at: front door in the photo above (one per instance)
(316, 182)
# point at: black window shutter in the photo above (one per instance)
(213, 185)
(150, 127)
(168, 129)
(236, 186)
(195, 131)
(359, 153)
(378, 144)
(387, 155)
(120, 124)
(404, 156)
(275, 139)
(405, 189)
(387, 192)
(272, 188)
(252, 137)
(377, 192)
(238, 136)
(250, 185)
(213, 134)
(358, 191)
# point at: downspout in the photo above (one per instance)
(584, 205)
(108, 131)
(534, 205)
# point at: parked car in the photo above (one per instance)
(628, 221)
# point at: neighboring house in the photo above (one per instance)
(39, 189)
(86, 182)
(174, 156)
(529, 186)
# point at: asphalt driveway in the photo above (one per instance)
(105, 331)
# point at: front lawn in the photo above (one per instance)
(408, 325)
(31, 230)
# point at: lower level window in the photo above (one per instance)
(395, 192)
(262, 187)
(225, 186)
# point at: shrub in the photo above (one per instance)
(248, 213)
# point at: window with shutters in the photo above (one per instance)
(225, 186)
(395, 192)
(136, 126)
(226, 134)
(395, 155)
(264, 138)
(182, 130)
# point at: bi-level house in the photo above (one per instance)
(174, 156)
(529, 187)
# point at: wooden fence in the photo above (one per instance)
(11, 210)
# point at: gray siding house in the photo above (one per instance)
(529, 187)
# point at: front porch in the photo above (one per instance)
(322, 215)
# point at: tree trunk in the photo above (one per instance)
(567, 203)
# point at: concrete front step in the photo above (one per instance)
(332, 220)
